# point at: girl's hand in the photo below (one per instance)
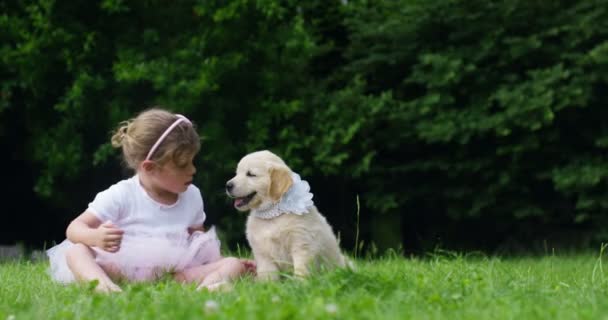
(109, 237)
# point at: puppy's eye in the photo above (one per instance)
(249, 174)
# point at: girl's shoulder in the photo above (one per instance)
(125, 186)
(129, 183)
(193, 193)
(110, 203)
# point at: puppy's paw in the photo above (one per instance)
(267, 276)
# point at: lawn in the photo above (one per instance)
(439, 286)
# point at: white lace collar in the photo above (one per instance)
(297, 200)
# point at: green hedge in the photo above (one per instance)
(487, 111)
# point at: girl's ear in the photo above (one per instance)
(280, 181)
(148, 165)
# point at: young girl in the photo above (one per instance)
(150, 224)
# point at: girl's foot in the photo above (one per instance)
(223, 286)
(249, 265)
(107, 287)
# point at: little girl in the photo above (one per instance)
(150, 224)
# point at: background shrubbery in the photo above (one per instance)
(461, 124)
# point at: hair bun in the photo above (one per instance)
(120, 134)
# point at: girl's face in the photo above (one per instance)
(175, 178)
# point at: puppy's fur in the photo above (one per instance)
(288, 242)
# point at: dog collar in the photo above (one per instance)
(297, 200)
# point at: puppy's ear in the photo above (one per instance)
(280, 181)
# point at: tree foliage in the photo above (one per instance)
(459, 110)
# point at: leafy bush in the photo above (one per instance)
(440, 115)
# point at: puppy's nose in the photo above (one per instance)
(229, 186)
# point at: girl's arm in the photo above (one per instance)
(89, 230)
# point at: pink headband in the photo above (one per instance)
(180, 118)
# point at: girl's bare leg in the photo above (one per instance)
(213, 275)
(81, 260)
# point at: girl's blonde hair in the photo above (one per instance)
(137, 136)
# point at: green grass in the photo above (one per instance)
(444, 286)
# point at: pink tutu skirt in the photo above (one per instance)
(144, 257)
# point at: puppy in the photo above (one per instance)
(284, 228)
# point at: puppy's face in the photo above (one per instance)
(261, 178)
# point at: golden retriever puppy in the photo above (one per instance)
(284, 228)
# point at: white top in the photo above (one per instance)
(297, 200)
(128, 206)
